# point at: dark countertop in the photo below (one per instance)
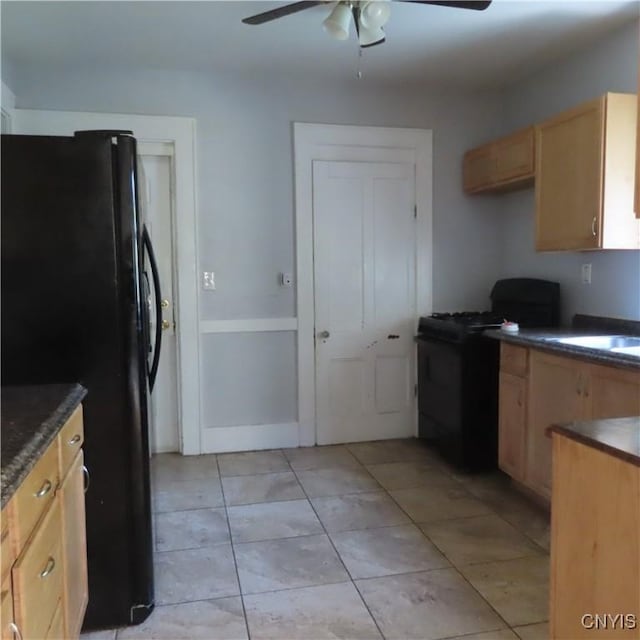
(539, 339)
(31, 418)
(619, 437)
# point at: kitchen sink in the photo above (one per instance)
(630, 351)
(619, 344)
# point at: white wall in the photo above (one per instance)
(7, 102)
(610, 65)
(245, 194)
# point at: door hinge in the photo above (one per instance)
(415, 211)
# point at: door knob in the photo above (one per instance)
(166, 324)
(323, 335)
(164, 304)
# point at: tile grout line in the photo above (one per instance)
(412, 522)
(326, 533)
(233, 553)
(452, 565)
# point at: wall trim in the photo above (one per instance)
(248, 325)
(352, 143)
(249, 437)
(181, 134)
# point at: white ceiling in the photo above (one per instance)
(427, 44)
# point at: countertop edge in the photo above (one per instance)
(17, 470)
(535, 341)
(569, 431)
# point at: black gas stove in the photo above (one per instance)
(458, 369)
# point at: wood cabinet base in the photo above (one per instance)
(595, 544)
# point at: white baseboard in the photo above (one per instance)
(249, 437)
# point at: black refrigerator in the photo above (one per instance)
(79, 290)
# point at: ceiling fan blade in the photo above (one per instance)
(281, 12)
(477, 5)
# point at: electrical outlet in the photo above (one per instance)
(586, 274)
(208, 280)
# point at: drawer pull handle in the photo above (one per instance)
(13, 627)
(44, 489)
(87, 478)
(51, 565)
(75, 439)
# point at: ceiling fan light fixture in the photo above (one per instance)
(338, 22)
(374, 14)
(367, 37)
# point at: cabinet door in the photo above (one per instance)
(75, 551)
(6, 611)
(569, 179)
(515, 156)
(512, 425)
(56, 630)
(614, 393)
(595, 523)
(478, 168)
(637, 191)
(37, 576)
(555, 396)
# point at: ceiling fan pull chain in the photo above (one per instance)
(359, 71)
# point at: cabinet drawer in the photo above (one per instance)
(513, 359)
(37, 577)
(36, 493)
(71, 437)
(7, 548)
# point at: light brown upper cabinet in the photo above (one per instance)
(637, 198)
(585, 170)
(500, 165)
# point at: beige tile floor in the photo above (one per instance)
(369, 540)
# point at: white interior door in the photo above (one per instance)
(365, 307)
(158, 171)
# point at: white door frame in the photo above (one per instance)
(181, 134)
(351, 143)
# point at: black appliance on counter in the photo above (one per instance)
(458, 369)
(75, 309)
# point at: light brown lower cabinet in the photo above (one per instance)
(550, 389)
(44, 585)
(555, 396)
(595, 544)
(57, 628)
(76, 588)
(6, 611)
(614, 393)
(513, 415)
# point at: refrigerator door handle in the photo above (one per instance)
(153, 370)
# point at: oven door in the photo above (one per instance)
(440, 370)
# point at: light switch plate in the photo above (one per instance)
(586, 274)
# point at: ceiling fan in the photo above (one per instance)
(369, 16)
